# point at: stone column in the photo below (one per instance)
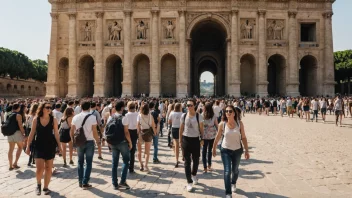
(127, 67)
(182, 81)
(235, 75)
(52, 84)
(154, 73)
(98, 63)
(293, 79)
(72, 57)
(262, 83)
(329, 83)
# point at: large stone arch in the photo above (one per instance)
(86, 76)
(63, 69)
(308, 77)
(141, 74)
(168, 75)
(248, 74)
(276, 75)
(209, 17)
(113, 75)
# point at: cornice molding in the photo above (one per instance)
(292, 14)
(72, 15)
(328, 14)
(99, 14)
(54, 15)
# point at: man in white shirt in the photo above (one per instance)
(78, 108)
(217, 110)
(57, 113)
(85, 151)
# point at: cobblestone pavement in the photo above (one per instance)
(289, 158)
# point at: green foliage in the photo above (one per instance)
(18, 65)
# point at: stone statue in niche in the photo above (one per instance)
(142, 30)
(275, 29)
(87, 32)
(247, 28)
(169, 29)
(115, 31)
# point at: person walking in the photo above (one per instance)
(338, 109)
(174, 121)
(30, 117)
(45, 132)
(233, 133)
(88, 122)
(64, 133)
(191, 131)
(120, 142)
(146, 130)
(131, 121)
(155, 113)
(210, 126)
(323, 106)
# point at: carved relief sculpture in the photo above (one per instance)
(87, 30)
(169, 29)
(275, 29)
(247, 28)
(141, 29)
(114, 31)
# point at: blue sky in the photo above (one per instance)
(25, 27)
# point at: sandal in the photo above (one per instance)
(209, 168)
(46, 191)
(10, 169)
(141, 169)
(15, 166)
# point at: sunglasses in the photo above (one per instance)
(229, 111)
(189, 105)
(49, 108)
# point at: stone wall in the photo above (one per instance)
(21, 88)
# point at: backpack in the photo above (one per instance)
(10, 126)
(197, 116)
(115, 131)
(155, 115)
(79, 138)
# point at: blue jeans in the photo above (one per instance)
(155, 144)
(161, 126)
(207, 148)
(231, 160)
(87, 151)
(125, 152)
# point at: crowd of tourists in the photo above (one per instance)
(195, 128)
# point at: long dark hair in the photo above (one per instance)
(235, 114)
(208, 111)
(68, 113)
(41, 108)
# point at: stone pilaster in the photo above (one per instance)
(329, 83)
(127, 67)
(52, 84)
(181, 81)
(72, 57)
(155, 71)
(99, 47)
(293, 80)
(262, 82)
(235, 74)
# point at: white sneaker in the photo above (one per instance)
(233, 188)
(195, 180)
(228, 196)
(189, 187)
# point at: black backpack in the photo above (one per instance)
(10, 126)
(155, 115)
(115, 131)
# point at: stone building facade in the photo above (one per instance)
(156, 47)
(12, 88)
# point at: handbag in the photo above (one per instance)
(147, 134)
(64, 134)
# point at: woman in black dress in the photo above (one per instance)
(44, 128)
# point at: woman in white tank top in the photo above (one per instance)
(231, 130)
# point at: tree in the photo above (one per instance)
(343, 66)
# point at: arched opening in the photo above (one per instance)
(208, 50)
(63, 77)
(308, 76)
(8, 87)
(207, 84)
(276, 75)
(1, 87)
(29, 90)
(141, 66)
(168, 75)
(86, 76)
(113, 76)
(248, 75)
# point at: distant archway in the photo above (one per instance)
(114, 76)
(63, 77)
(86, 76)
(207, 84)
(141, 80)
(168, 75)
(276, 75)
(308, 76)
(248, 74)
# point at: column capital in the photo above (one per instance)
(228, 40)
(99, 14)
(127, 12)
(72, 15)
(292, 14)
(54, 15)
(328, 14)
(261, 13)
(234, 11)
(155, 11)
(182, 12)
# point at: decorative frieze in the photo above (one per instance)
(275, 29)
(114, 33)
(247, 28)
(141, 31)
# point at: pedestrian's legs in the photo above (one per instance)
(204, 154)
(236, 158)
(226, 160)
(155, 144)
(210, 154)
(125, 152)
(187, 155)
(18, 152)
(195, 144)
(134, 137)
(80, 153)
(115, 164)
(89, 161)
